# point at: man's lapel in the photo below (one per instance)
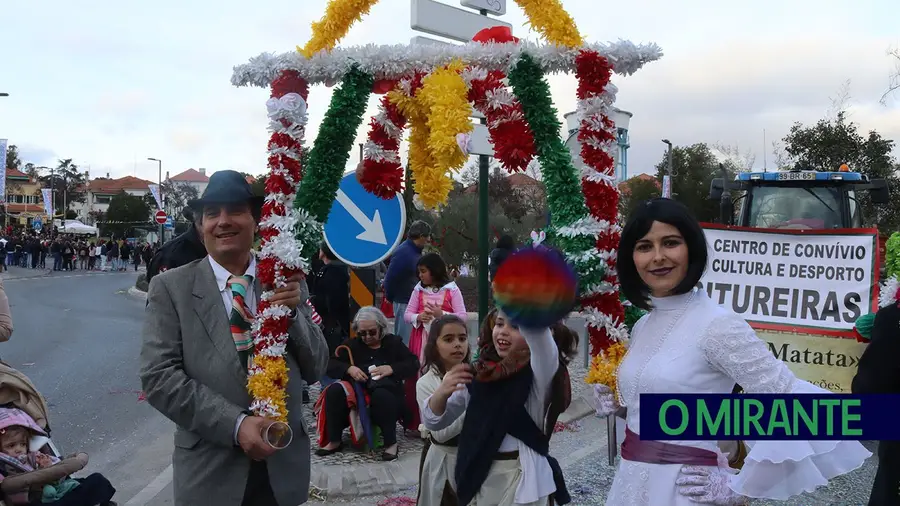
(209, 308)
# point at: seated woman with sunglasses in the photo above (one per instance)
(376, 361)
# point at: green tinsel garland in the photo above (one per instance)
(892, 255)
(563, 184)
(330, 153)
(632, 314)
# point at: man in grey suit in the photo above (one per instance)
(193, 369)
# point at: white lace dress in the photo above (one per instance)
(690, 344)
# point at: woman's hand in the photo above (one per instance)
(357, 374)
(604, 401)
(708, 485)
(383, 370)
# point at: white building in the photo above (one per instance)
(196, 178)
(621, 119)
(100, 192)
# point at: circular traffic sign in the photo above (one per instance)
(161, 217)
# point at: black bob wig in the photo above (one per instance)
(639, 223)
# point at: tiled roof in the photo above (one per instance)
(191, 176)
(102, 185)
(15, 173)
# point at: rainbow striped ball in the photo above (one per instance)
(535, 287)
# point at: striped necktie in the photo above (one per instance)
(241, 317)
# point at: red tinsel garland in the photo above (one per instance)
(510, 134)
(287, 113)
(382, 173)
(597, 132)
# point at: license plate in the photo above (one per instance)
(796, 176)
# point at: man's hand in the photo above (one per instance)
(250, 437)
(357, 374)
(383, 370)
(289, 295)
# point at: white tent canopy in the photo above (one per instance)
(76, 227)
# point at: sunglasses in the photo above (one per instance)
(366, 333)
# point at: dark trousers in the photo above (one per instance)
(259, 490)
(95, 490)
(384, 410)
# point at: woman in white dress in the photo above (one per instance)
(446, 347)
(688, 343)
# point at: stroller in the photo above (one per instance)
(17, 391)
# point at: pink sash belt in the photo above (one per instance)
(657, 452)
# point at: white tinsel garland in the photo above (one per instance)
(888, 293)
(396, 61)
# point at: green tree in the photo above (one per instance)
(635, 191)
(176, 195)
(129, 210)
(68, 183)
(695, 167)
(13, 160)
(835, 141)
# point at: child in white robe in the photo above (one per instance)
(446, 347)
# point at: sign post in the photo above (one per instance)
(362, 230)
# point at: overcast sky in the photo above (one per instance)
(112, 83)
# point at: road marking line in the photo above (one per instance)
(152, 489)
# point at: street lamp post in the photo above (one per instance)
(667, 180)
(4, 94)
(162, 226)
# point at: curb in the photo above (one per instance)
(137, 294)
(376, 478)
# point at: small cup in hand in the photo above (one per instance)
(278, 435)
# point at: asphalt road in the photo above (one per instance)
(77, 336)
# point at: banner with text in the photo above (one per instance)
(828, 362)
(3, 146)
(812, 281)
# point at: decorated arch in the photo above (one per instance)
(431, 91)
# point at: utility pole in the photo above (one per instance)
(162, 226)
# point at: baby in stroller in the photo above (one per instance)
(31, 470)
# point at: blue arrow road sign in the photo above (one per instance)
(363, 229)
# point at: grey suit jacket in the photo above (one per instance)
(191, 373)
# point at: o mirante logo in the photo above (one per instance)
(769, 417)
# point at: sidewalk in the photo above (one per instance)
(353, 476)
(24, 273)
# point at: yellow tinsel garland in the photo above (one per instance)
(431, 180)
(270, 384)
(444, 95)
(334, 25)
(552, 21)
(604, 367)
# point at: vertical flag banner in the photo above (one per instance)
(667, 187)
(154, 189)
(3, 170)
(47, 195)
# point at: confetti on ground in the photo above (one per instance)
(567, 427)
(317, 494)
(398, 501)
